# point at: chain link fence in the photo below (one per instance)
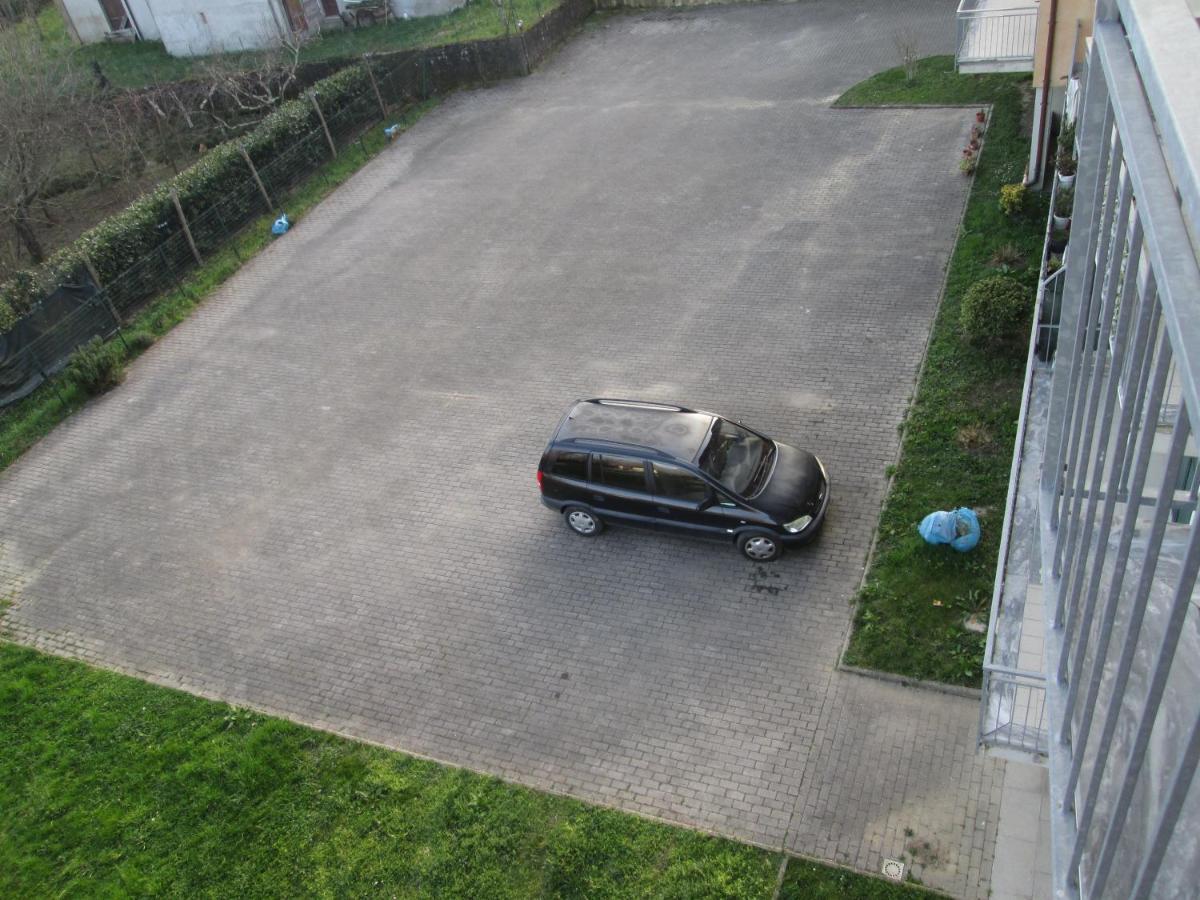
(81, 308)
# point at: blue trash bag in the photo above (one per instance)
(959, 528)
(281, 225)
(967, 526)
(391, 132)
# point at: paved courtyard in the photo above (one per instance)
(317, 496)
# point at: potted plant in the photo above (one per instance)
(981, 117)
(1058, 241)
(1065, 161)
(1063, 201)
(968, 162)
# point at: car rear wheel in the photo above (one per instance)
(759, 546)
(582, 521)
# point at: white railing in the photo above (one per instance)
(997, 33)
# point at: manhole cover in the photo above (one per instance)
(893, 869)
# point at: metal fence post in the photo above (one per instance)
(324, 127)
(87, 264)
(258, 181)
(187, 231)
(375, 87)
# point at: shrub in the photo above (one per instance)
(139, 340)
(994, 309)
(96, 367)
(1065, 160)
(219, 176)
(1064, 201)
(1013, 198)
(1066, 138)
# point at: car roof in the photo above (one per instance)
(670, 430)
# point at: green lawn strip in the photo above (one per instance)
(145, 63)
(26, 422)
(807, 880)
(958, 438)
(112, 787)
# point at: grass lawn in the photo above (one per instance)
(807, 880)
(957, 441)
(147, 62)
(115, 787)
(29, 420)
(112, 786)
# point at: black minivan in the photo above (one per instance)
(667, 467)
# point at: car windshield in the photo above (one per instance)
(735, 457)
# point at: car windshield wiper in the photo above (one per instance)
(764, 466)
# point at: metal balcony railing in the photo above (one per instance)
(1015, 710)
(1119, 537)
(995, 35)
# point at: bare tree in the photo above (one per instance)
(43, 102)
(908, 49)
(241, 89)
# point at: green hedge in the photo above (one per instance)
(120, 241)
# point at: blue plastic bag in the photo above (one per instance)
(959, 528)
(281, 225)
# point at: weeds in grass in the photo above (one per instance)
(975, 437)
(1007, 258)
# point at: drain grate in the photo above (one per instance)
(893, 869)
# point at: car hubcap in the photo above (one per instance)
(760, 548)
(582, 522)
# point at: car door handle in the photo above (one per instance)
(599, 498)
(666, 510)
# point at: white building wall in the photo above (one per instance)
(199, 27)
(143, 16)
(415, 8)
(86, 18)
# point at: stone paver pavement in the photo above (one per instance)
(317, 497)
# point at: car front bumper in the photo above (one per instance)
(803, 537)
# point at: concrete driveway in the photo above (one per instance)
(317, 496)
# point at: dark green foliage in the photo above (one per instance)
(1065, 160)
(138, 341)
(994, 309)
(96, 367)
(910, 616)
(1064, 202)
(114, 787)
(216, 195)
(27, 421)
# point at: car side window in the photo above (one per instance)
(623, 472)
(570, 465)
(679, 484)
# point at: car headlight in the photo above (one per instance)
(798, 524)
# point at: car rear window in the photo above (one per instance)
(623, 472)
(570, 465)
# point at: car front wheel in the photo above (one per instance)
(759, 546)
(583, 522)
